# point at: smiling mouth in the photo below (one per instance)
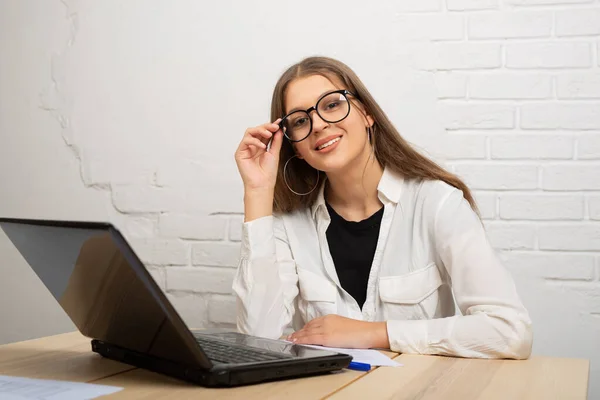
(327, 144)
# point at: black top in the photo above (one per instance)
(352, 246)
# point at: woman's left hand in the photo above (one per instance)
(336, 331)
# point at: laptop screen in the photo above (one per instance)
(103, 287)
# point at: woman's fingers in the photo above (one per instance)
(309, 336)
(274, 126)
(253, 141)
(259, 133)
(257, 138)
(276, 144)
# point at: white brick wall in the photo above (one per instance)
(419, 6)
(191, 226)
(552, 265)
(235, 228)
(577, 237)
(476, 116)
(495, 176)
(199, 279)
(541, 207)
(550, 55)
(544, 2)
(222, 310)
(451, 85)
(462, 5)
(191, 307)
(594, 202)
(583, 85)
(588, 147)
(159, 251)
(132, 199)
(462, 146)
(504, 25)
(532, 91)
(413, 27)
(505, 236)
(510, 86)
(571, 177)
(465, 55)
(216, 254)
(579, 22)
(487, 204)
(524, 146)
(561, 116)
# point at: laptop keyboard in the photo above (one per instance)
(228, 353)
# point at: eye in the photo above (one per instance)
(332, 105)
(299, 122)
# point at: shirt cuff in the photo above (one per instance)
(257, 238)
(408, 336)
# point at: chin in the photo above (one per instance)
(333, 165)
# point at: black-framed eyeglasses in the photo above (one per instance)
(332, 107)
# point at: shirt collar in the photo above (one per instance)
(390, 187)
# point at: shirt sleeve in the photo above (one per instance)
(266, 282)
(494, 323)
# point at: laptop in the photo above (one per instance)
(102, 285)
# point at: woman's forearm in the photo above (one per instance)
(258, 203)
(380, 338)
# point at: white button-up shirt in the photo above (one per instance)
(435, 278)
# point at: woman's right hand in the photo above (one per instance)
(257, 165)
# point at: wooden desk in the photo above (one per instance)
(68, 357)
(431, 377)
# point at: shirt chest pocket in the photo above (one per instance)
(318, 295)
(414, 295)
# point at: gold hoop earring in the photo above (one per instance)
(286, 181)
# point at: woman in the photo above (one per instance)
(359, 241)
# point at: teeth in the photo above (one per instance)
(332, 141)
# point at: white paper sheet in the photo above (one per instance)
(14, 388)
(373, 357)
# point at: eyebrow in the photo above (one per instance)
(304, 109)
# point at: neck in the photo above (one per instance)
(353, 192)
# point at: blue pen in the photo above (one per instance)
(358, 366)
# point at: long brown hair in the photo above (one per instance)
(391, 150)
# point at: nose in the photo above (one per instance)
(318, 124)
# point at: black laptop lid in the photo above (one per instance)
(103, 287)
